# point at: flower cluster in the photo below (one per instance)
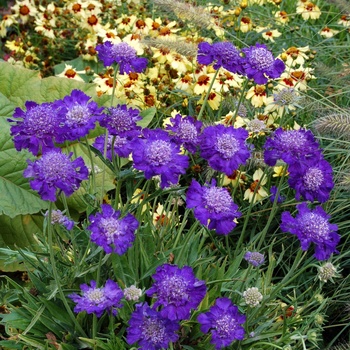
(97, 300)
(213, 206)
(312, 226)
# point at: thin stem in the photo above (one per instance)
(55, 273)
(92, 166)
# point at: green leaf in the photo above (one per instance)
(147, 116)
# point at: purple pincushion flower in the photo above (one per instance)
(98, 300)
(150, 330)
(224, 147)
(224, 54)
(177, 291)
(157, 154)
(311, 179)
(121, 121)
(185, 131)
(122, 54)
(224, 321)
(113, 234)
(259, 63)
(214, 205)
(37, 128)
(254, 258)
(290, 146)
(55, 171)
(78, 114)
(274, 190)
(312, 226)
(57, 217)
(122, 146)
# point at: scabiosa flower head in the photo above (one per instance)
(273, 191)
(290, 146)
(157, 154)
(224, 147)
(121, 121)
(312, 226)
(224, 54)
(327, 272)
(259, 64)
(113, 234)
(55, 171)
(214, 205)
(132, 293)
(78, 115)
(185, 131)
(254, 258)
(98, 300)
(122, 54)
(311, 178)
(224, 322)
(37, 128)
(252, 296)
(286, 97)
(150, 330)
(57, 217)
(177, 291)
(122, 146)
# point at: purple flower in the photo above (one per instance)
(254, 258)
(224, 54)
(122, 54)
(224, 147)
(121, 121)
(312, 226)
(150, 330)
(123, 146)
(36, 128)
(273, 191)
(259, 63)
(156, 154)
(224, 322)
(77, 114)
(53, 171)
(57, 217)
(290, 146)
(113, 234)
(311, 178)
(214, 205)
(185, 131)
(98, 300)
(177, 291)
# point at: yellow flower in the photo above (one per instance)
(257, 95)
(328, 32)
(344, 20)
(15, 46)
(161, 217)
(279, 170)
(24, 9)
(71, 73)
(308, 10)
(295, 55)
(282, 17)
(271, 34)
(6, 22)
(138, 197)
(245, 25)
(236, 178)
(260, 192)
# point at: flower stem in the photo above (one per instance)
(55, 273)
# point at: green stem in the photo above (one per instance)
(55, 273)
(233, 118)
(92, 166)
(207, 95)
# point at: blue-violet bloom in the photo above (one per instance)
(55, 171)
(96, 300)
(57, 217)
(157, 154)
(259, 64)
(37, 128)
(254, 258)
(312, 226)
(224, 147)
(224, 322)
(290, 146)
(122, 146)
(312, 178)
(177, 291)
(150, 330)
(223, 54)
(213, 205)
(78, 114)
(185, 131)
(112, 233)
(122, 54)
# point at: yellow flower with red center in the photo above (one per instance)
(237, 178)
(282, 17)
(327, 32)
(71, 73)
(257, 95)
(308, 10)
(270, 34)
(295, 55)
(344, 20)
(256, 192)
(24, 9)
(246, 24)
